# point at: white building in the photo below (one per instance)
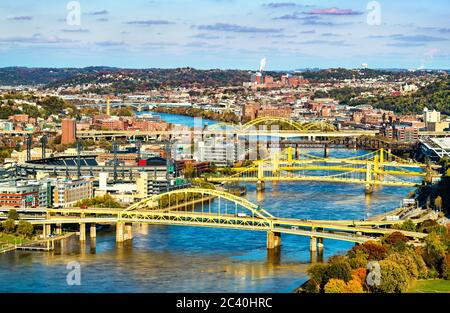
(219, 151)
(431, 116)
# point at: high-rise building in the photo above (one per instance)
(431, 116)
(218, 151)
(69, 128)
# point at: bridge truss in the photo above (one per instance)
(375, 168)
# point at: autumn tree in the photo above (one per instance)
(373, 249)
(335, 286)
(359, 274)
(435, 250)
(407, 262)
(339, 286)
(396, 240)
(394, 278)
(438, 203)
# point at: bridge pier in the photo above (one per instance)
(93, 246)
(93, 231)
(313, 244)
(368, 189)
(326, 151)
(120, 230)
(82, 231)
(46, 230)
(273, 240)
(128, 231)
(59, 229)
(320, 245)
(274, 256)
(260, 185)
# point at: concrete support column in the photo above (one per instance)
(144, 229)
(82, 232)
(44, 231)
(120, 229)
(48, 229)
(368, 188)
(326, 151)
(319, 245)
(273, 240)
(260, 185)
(128, 231)
(93, 231)
(313, 244)
(59, 229)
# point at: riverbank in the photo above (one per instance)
(32, 244)
(226, 117)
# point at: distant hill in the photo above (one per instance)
(121, 80)
(342, 73)
(135, 80)
(14, 76)
(102, 79)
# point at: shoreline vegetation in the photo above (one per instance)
(226, 117)
(13, 231)
(393, 265)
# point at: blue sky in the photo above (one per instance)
(203, 34)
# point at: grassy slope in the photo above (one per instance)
(431, 286)
(11, 239)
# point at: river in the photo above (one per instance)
(196, 259)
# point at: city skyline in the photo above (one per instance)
(210, 34)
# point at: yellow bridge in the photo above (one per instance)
(376, 168)
(216, 209)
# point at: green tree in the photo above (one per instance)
(9, 226)
(13, 214)
(339, 268)
(435, 250)
(408, 225)
(106, 201)
(318, 273)
(25, 229)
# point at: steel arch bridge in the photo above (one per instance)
(375, 168)
(295, 125)
(215, 209)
